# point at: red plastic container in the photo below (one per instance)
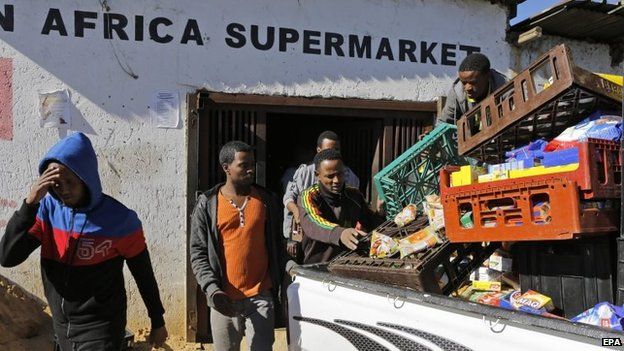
(546, 207)
(600, 170)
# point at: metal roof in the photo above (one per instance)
(579, 19)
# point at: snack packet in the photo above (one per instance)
(603, 315)
(419, 241)
(406, 216)
(435, 213)
(382, 246)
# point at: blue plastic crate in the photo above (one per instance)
(415, 174)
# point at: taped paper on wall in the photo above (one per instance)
(166, 109)
(54, 109)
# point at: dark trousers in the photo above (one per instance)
(62, 343)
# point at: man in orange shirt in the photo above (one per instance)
(236, 253)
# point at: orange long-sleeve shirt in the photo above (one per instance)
(244, 255)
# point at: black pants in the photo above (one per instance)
(62, 343)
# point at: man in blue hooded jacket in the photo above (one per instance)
(85, 237)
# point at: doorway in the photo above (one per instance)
(283, 132)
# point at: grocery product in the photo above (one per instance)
(419, 241)
(382, 246)
(534, 300)
(406, 216)
(604, 315)
(466, 175)
(486, 285)
(526, 152)
(599, 125)
(434, 211)
(500, 261)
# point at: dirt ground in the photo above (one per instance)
(24, 325)
(178, 344)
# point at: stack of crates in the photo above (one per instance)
(407, 180)
(566, 218)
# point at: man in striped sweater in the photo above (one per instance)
(331, 211)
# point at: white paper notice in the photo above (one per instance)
(54, 109)
(166, 109)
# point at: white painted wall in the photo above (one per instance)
(590, 56)
(144, 167)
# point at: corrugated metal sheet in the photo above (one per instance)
(579, 19)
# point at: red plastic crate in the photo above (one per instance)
(504, 210)
(600, 168)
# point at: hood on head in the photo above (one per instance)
(76, 153)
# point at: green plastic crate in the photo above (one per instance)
(415, 174)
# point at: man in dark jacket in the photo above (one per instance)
(331, 211)
(476, 81)
(237, 253)
(85, 236)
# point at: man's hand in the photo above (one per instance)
(41, 186)
(349, 236)
(157, 337)
(292, 248)
(292, 207)
(223, 304)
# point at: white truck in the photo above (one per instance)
(328, 312)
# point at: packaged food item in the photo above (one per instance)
(509, 301)
(599, 125)
(500, 261)
(419, 241)
(486, 279)
(466, 175)
(464, 292)
(406, 216)
(603, 315)
(535, 300)
(466, 220)
(526, 152)
(435, 213)
(491, 298)
(483, 285)
(541, 212)
(494, 176)
(486, 274)
(382, 246)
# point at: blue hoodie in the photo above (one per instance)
(83, 251)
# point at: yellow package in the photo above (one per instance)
(541, 170)
(486, 285)
(535, 300)
(466, 175)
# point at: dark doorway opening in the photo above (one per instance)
(291, 141)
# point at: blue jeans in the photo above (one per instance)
(254, 319)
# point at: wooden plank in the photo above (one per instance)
(367, 104)
(192, 183)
